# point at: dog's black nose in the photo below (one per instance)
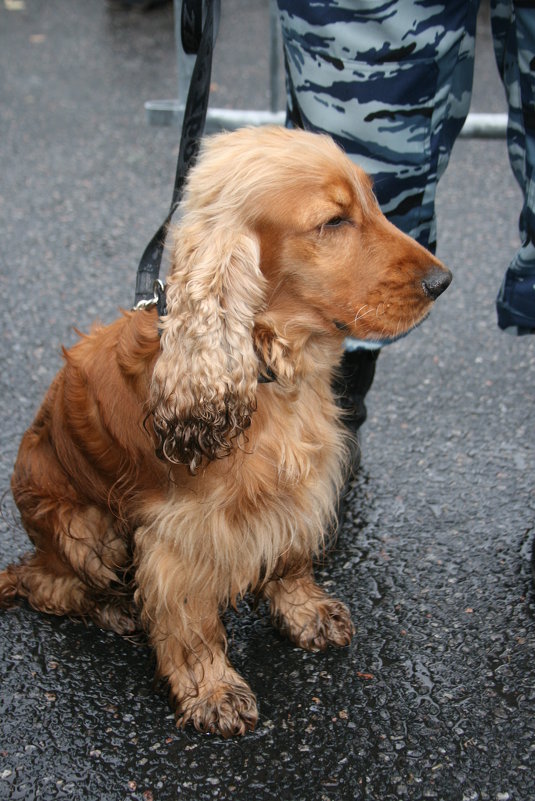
(436, 281)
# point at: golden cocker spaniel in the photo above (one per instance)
(162, 479)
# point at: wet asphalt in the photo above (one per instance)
(435, 698)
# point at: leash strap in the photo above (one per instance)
(191, 26)
(200, 39)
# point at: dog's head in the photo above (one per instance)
(281, 242)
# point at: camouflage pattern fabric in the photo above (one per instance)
(391, 81)
(513, 29)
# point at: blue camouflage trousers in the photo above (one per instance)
(391, 81)
(513, 30)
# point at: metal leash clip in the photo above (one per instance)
(156, 300)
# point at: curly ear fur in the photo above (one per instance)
(204, 381)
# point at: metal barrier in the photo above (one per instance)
(171, 112)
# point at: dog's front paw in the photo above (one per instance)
(331, 626)
(227, 709)
(314, 625)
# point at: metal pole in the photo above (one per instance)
(485, 126)
(274, 57)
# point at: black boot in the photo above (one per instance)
(355, 377)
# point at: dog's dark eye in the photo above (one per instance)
(335, 222)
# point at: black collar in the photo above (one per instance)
(266, 376)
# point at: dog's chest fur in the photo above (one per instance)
(277, 490)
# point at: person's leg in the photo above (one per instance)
(513, 29)
(391, 83)
(353, 381)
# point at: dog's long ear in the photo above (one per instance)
(204, 381)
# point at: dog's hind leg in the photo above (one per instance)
(51, 586)
(75, 571)
(47, 583)
(81, 551)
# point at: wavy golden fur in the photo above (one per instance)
(160, 481)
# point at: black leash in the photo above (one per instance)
(200, 39)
